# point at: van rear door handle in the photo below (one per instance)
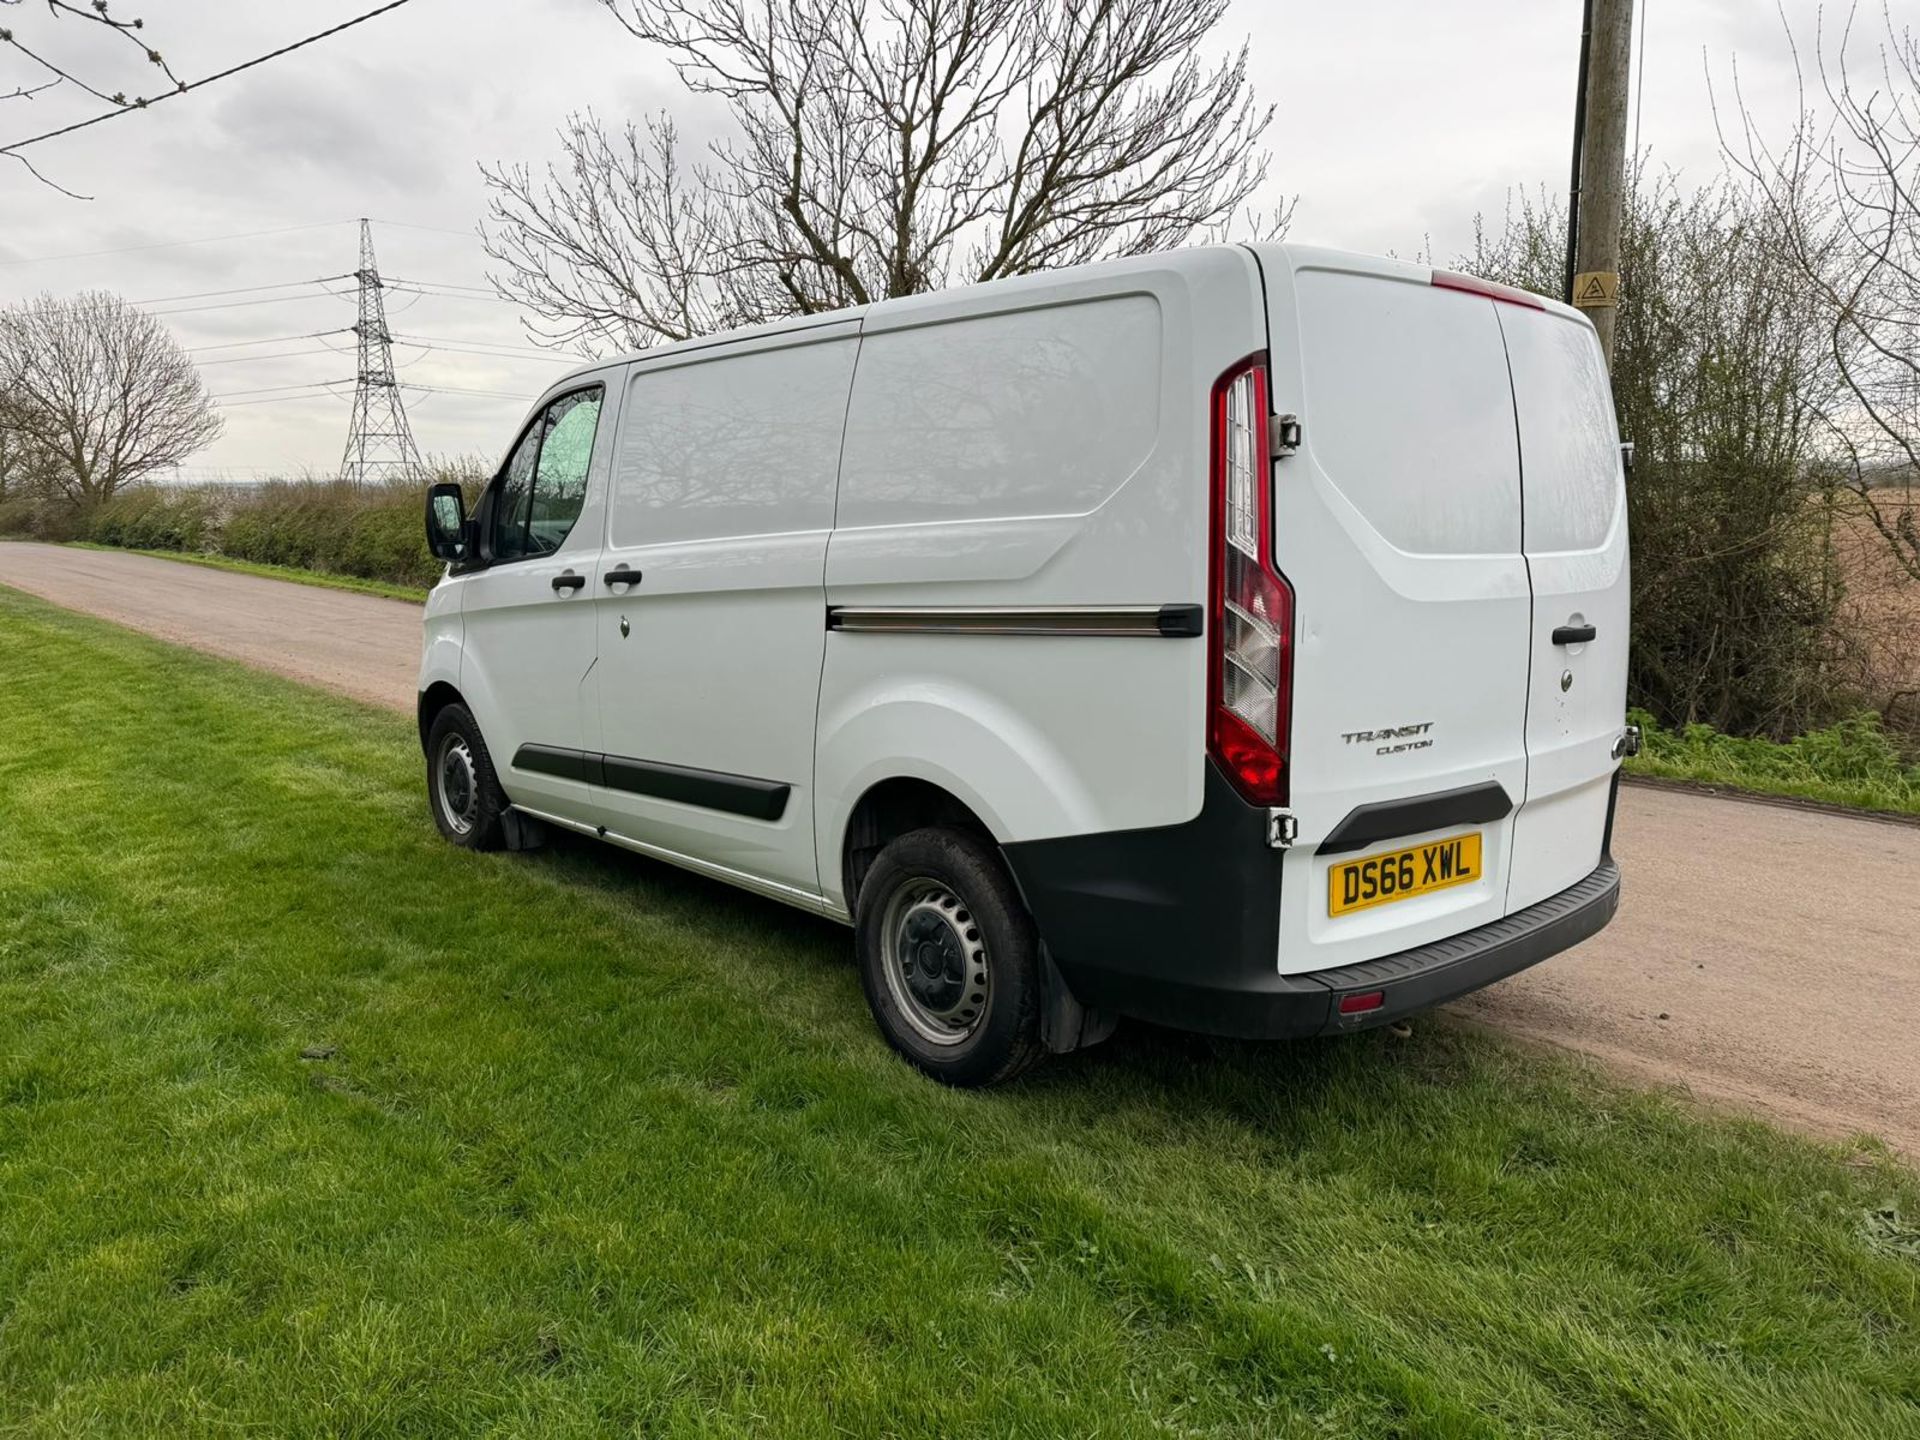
(1574, 634)
(623, 576)
(569, 581)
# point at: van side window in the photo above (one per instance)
(544, 484)
(731, 445)
(1046, 411)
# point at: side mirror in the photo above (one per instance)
(446, 523)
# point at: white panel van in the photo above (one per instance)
(1234, 638)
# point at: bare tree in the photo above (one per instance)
(99, 394)
(880, 148)
(1842, 186)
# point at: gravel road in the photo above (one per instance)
(1764, 957)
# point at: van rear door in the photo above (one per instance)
(1398, 524)
(1575, 533)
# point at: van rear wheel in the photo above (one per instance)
(462, 789)
(949, 958)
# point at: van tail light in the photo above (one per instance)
(1250, 679)
(1493, 290)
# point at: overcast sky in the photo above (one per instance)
(1397, 121)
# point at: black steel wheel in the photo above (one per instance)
(462, 789)
(949, 958)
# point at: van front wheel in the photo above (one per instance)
(949, 958)
(462, 789)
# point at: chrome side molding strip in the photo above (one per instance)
(1142, 621)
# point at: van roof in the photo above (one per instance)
(1295, 255)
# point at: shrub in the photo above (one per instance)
(154, 518)
(1851, 762)
(374, 532)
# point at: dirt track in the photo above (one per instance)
(1763, 956)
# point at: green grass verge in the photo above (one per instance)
(313, 1124)
(324, 578)
(1852, 763)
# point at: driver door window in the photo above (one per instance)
(544, 484)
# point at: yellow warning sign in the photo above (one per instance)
(1593, 289)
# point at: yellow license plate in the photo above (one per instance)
(1417, 870)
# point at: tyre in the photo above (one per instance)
(462, 789)
(950, 958)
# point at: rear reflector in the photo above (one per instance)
(1360, 1004)
(1474, 285)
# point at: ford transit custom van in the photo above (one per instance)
(1234, 638)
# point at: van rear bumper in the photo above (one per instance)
(1190, 939)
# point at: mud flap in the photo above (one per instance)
(1066, 1024)
(522, 831)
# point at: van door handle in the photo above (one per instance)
(623, 576)
(568, 581)
(1574, 634)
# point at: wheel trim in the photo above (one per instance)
(457, 784)
(935, 962)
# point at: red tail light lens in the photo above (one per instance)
(1251, 665)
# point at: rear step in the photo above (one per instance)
(1430, 975)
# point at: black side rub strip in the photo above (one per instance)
(552, 760)
(1389, 819)
(709, 789)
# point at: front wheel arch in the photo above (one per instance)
(435, 698)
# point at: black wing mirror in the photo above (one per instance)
(447, 523)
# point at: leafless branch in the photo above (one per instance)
(881, 148)
(50, 184)
(1842, 187)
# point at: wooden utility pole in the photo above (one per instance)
(1600, 162)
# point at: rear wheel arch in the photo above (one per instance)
(892, 808)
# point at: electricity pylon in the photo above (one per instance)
(379, 441)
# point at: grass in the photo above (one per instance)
(1853, 763)
(323, 578)
(313, 1124)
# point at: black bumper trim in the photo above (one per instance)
(1265, 1005)
(1366, 825)
(1429, 975)
(1179, 925)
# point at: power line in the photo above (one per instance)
(412, 335)
(486, 290)
(238, 304)
(432, 229)
(269, 340)
(222, 239)
(280, 399)
(207, 80)
(276, 355)
(319, 391)
(171, 244)
(455, 390)
(1640, 83)
(271, 389)
(486, 354)
(240, 290)
(414, 287)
